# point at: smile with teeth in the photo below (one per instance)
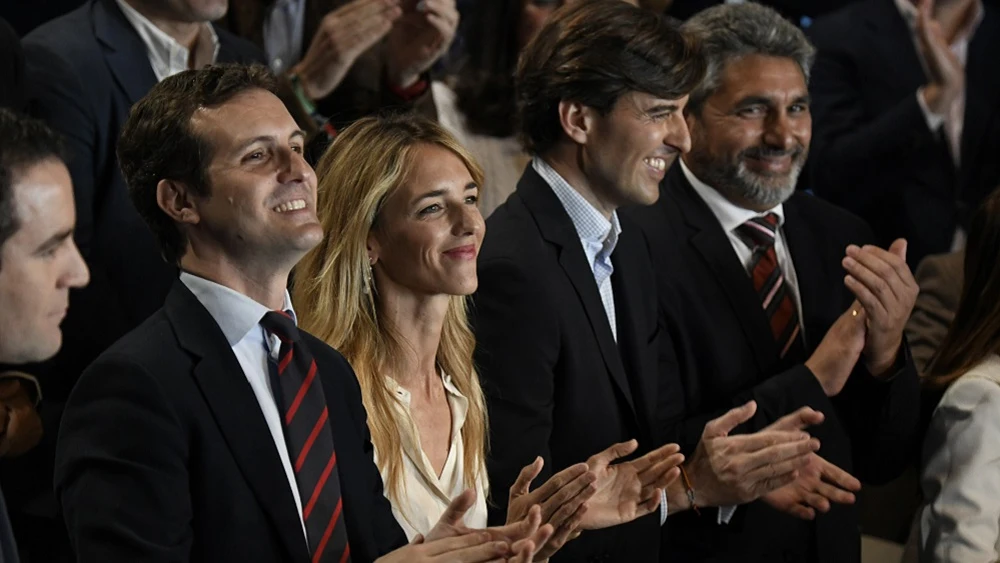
(656, 162)
(293, 205)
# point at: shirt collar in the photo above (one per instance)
(910, 15)
(590, 224)
(166, 55)
(235, 313)
(728, 214)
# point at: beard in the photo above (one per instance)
(736, 182)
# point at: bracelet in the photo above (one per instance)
(689, 490)
(300, 94)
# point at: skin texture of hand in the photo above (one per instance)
(884, 285)
(342, 36)
(527, 531)
(834, 359)
(729, 470)
(474, 547)
(819, 484)
(947, 74)
(626, 491)
(24, 426)
(419, 38)
(561, 499)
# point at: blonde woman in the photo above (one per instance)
(387, 288)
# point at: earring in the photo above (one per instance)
(367, 279)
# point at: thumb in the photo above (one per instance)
(456, 510)
(725, 424)
(798, 420)
(524, 479)
(612, 453)
(899, 248)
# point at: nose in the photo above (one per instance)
(75, 273)
(468, 220)
(677, 134)
(779, 132)
(295, 168)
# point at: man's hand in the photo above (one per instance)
(474, 547)
(528, 531)
(729, 470)
(834, 359)
(561, 499)
(342, 36)
(19, 417)
(819, 484)
(626, 491)
(947, 74)
(419, 38)
(884, 285)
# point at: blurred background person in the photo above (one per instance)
(39, 263)
(388, 287)
(960, 520)
(903, 92)
(11, 68)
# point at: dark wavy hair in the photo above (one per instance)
(594, 53)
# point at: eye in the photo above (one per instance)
(752, 111)
(472, 199)
(297, 149)
(434, 208)
(798, 108)
(255, 155)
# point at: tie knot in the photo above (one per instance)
(280, 324)
(759, 231)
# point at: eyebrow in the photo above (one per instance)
(266, 139)
(764, 100)
(54, 240)
(660, 108)
(439, 193)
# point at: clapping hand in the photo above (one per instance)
(819, 484)
(561, 499)
(419, 38)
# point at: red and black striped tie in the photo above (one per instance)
(310, 442)
(769, 282)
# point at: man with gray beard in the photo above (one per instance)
(776, 296)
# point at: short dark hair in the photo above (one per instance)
(24, 142)
(594, 53)
(158, 142)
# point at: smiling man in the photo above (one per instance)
(776, 296)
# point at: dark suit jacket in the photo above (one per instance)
(557, 384)
(8, 547)
(725, 355)
(872, 151)
(164, 454)
(364, 90)
(11, 68)
(85, 71)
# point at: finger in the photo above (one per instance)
(802, 512)
(650, 504)
(758, 441)
(525, 477)
(880, 263)
(365, 8)
(725, 424)
(417, 539)
(663, 473)
(616, 451)
(560, 480)
(457, 508)
(870, 302)
(835, 494)
(564, 503)
(518, 530)
(456, 545)
(775, 483)
(798, 420)
(779, 459)
(654, 457)
(833, 474)
(816, 500)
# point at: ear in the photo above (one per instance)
(373, 248)
(176, 201)
(577, 121)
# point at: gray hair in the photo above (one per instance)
(731, 31)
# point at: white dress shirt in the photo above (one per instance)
(598, 236)
(960, 521)
(167, 56)
(426, 493)
(731, 216)
(283, 31)
(239, 318)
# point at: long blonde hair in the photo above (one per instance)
(336, 300)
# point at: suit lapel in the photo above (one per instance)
(234, 405)
(557, 228)
(124, 51)
(709, 240)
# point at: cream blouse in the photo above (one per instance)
(427, 494)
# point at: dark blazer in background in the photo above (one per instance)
(557, 383)
(164, 455)
(364, 90)
(725, 355)
(11, 68)
(872, 151)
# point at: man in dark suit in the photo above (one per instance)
(351, 58)
(902, 94)
(216, 430)
(11, 68)
(751, 280)
(84, 71)
(38, 265)
(565, 315)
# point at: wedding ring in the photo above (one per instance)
(854, 312)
